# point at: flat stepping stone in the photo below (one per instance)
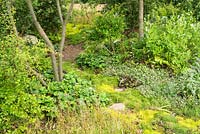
(118, 107)
(120, 89)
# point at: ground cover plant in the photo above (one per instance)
(110, 78)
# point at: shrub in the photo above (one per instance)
(76, 33)
(18, 109)
(108, 28)
(71, 94)
(169, 40)
(91, 61)
(49, 19)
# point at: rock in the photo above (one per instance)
(120, 89)
(118, 107)
(31, 39)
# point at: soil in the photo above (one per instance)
(72, 51)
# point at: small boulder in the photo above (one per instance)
(118, 107)
(31, 39)
(120, 89)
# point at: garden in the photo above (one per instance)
(99, 67)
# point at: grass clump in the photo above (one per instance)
(86, 121)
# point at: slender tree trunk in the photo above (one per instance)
(46, 39)
(141, 19)
(60, 60)
(59, 10)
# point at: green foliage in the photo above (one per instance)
(93, 61)
(189, 6)
(98, 56)
(76, 33)
(169, 124)
(5, 22)
(108, 27)
(46, 12)
(23, 100)
(71, 93)
(18, 108)
(171, 40)
(180, 93)
(18, 111)
(104, 45)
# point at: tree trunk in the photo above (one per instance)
(60, 60)
(141, 19)
(59, 11)
(46, 39)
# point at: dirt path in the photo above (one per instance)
(72, 51)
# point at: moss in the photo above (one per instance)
(170, 124)
(97, 79)
(147, 131)
(105, 88)
(166, 117)
(147, 115)
(189, 123)
(131, 98)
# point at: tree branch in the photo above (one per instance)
(60, 60)
(46, 39)
(59, 11)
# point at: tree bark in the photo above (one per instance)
(141, 19)
(60, 60)
(59, 11)
(46, 39)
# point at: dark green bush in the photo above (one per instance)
(108, 29)
(93, 61)
(46, 12)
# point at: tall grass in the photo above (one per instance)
(86, 121)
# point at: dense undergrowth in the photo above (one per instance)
(170, 60)
(159, 75)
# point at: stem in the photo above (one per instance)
(59, 11)
(46, 39)
(60, 60)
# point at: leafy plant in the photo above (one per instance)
(18, 108)
(76, 33)
(169, 40)
(91, 61)
(71, 93)
(108, 28)
(48, 19)
(18, 111)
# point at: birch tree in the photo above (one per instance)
(56, 64)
